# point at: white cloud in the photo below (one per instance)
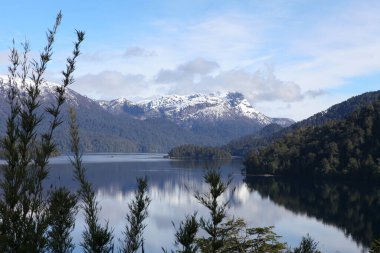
(339, 47)
(136, 51)
(231, 39)
(187, 72)
(113, 84)
(312, 59)
(199, 76)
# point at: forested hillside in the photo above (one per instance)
(347, 147)
(245, 144)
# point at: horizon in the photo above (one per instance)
(288, 59)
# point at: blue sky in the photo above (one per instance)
(289, 58)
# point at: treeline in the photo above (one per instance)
(243, 145)
(349, 147)
(269, 134)
(198, 152)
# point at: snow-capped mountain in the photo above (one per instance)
(148, 126)
(184, 109)
(47, 90)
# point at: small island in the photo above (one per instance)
(191, 151)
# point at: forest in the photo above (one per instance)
(196, 152)
(342, 148)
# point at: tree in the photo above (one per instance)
(62, 212)
(226, 234)
(24, 218)
(96, 238)
(138, 212)
(185, 235)
(307, 245)
(213, 226)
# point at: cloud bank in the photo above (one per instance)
(196, 76)
(205, 76)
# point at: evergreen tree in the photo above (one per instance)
(96, 238)
(24, 218)
(228, 235)
(62, 212)
(213, 226)
(185, 236)
(307, 245)
(138, 212)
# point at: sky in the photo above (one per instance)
(288, 58)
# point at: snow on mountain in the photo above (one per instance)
(179, 108)
(47, 90)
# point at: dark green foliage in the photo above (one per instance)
(198, 152)
(375, 246)
(349, 147)
(62, 211)
(27, 148)
(138, 212)
(307, 245)
(264, 241)
(243, 145)
(213, 226)
(185, 236)
(263, 138)
(96, 238)
(239, 238)
(339, 111)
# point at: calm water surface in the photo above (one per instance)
(261, 202)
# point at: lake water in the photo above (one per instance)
(336, 216)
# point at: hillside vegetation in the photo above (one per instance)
(198, 152)
(244, 145)
(348, 147)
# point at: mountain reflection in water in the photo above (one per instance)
(171, 186)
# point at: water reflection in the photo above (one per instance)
(172, 184)
(352, 207)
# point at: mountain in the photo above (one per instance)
(349, 147)
(243, 145)
(221, 117)
(339, 111)
(185, 110)
(152, 126)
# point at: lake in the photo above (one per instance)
(342, 218)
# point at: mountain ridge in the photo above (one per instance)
(184, 108)
(243, 145)
(347, 147)
(109, 131)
